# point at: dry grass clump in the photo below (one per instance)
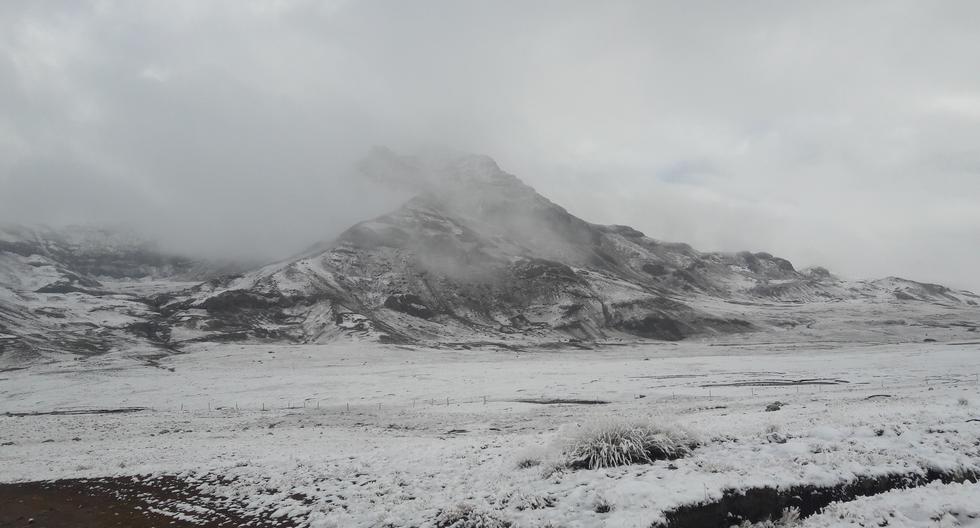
(528, 462)
(602, 505)
(522, 501)
(466, 516)
(619, 443)
(788, 519)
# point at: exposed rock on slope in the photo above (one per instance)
(83, 291)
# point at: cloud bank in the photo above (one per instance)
(831, 133)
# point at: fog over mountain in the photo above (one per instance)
(489, 264)
(843, 136)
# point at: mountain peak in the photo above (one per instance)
(476, 168)
(436, 171)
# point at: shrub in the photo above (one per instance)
(554, 469)
(526, 501)
(466, 516)
(963, 401)
(788, 519)
(620, 443)
(527, 462)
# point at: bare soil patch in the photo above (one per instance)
(132, 502)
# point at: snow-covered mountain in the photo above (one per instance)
(480, 256)
(476, 257)
(85, 290)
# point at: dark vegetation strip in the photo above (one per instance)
(560, 401)
(777, 383)
(120, 410)
(765, 503)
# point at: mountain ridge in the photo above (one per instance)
(476, 257)
(479, 254)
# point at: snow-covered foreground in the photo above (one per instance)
(357, 435)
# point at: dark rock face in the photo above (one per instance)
(544, 270)
(410, 304)
(656, 270)
(902, 296)
(656, 327)
(70, 282)
(242, 300)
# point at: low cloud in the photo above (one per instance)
(836, 133)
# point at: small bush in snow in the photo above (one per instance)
(620, 443)
(466, 516)
(776, 438)
(528, 462)
(602, 505)
(555, 468)
(525, 501)
(789, 518)
(963, 401)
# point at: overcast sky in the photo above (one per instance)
(845, 134)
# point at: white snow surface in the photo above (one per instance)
(934, 505)
(391, 436)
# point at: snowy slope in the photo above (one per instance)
(84, 291)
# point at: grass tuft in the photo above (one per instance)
(619, 443)
(528, 462)
(466, 516)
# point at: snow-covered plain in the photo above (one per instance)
(363, 435)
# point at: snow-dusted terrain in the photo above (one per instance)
(433, 366)
(476, 257)
(356, 435)
(86, 291)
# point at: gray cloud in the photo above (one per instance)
(831, 133)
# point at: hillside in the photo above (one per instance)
(478, 255)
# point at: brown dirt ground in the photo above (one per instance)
(112, 502)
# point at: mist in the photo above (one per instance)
(843, 136)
